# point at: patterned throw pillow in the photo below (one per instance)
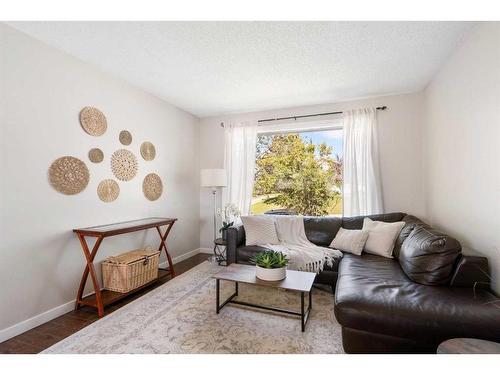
(260, 230)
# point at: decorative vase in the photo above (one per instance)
(224, 234)
(270, 274)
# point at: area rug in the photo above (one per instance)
(180, 317)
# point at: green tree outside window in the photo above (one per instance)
(293, 173)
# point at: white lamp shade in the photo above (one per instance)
(213, 178)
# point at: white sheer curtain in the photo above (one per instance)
(362, 193)
(239, 159)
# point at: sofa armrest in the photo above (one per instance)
(470, 271)
(235, 238)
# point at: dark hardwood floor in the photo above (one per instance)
(46, 335)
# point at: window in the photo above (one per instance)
(299, 170)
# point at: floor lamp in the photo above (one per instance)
(214, 178)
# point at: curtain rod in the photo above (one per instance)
(383, 108)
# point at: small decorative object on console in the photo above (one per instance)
(270, 265)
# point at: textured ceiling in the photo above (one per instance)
(210, 68)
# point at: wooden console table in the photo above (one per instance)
(101, 298)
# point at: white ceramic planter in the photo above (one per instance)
(270, 274)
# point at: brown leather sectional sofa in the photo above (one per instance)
(428, 293)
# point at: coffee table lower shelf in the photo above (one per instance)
(303, 314)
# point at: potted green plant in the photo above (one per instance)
(228, 215)
(270, 265)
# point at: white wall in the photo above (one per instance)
(400, 137)
(462, 141)
(42, 92)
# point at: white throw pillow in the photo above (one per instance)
(260, 230)
(350, 241)
(381, 236)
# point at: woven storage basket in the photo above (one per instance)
(130, 270)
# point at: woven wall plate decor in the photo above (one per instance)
(96, 155)
(93, 121)
(69, 175)
(148, 151)
(108, 190)
(124, 165)
(152, 186)
(125, 137)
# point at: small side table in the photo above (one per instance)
(220, 251)
(468, 346)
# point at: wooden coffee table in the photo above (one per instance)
(295, 280)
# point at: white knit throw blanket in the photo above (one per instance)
(303, 255)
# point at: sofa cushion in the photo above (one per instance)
(428, 257)
(374, 294)
(410, 223)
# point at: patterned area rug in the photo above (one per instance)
(179, 317)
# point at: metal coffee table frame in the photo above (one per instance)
(304, 313)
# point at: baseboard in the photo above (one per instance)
(205, 250)
(46, 316)
(35, 321)
(184, 256)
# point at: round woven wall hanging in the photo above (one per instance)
(124, 165)
(148, 151)
(125, 137)
(93, 121)
(96, 155)
(69, 175)
(152, 186)
(108, 190)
